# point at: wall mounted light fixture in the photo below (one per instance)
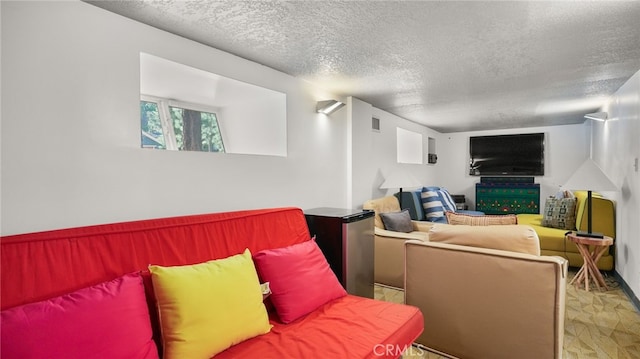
(328, 107)
(597, 116)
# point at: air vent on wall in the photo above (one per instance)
(375, 124)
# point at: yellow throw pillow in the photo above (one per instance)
(206, 308)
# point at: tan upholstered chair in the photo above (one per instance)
(389, 245)
(487, 303)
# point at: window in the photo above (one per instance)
(183, 108)
(172, 125)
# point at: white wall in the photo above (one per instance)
(71, 151)
(374, 154)
(616, 148)
(566, 148)
(70, 137)
(256, 127)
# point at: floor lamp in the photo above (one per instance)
(589, 177)
(399, 179)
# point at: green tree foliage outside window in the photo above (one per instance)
(193, 130)
(151, 126)
(203, 134)
(211, 137)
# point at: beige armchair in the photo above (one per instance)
(487, 303)
(389, 245)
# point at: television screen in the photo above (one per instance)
(521, 154)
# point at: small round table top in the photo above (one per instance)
(591, 241)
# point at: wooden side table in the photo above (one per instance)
(589, 268)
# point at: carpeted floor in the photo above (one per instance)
(598, 324)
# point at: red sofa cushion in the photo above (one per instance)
(347, 327)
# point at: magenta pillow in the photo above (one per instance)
(300, 279)
(108, 320)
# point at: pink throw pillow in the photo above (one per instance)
(300, 279)
(108, 320)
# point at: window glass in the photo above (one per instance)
(196, 130)
(150, 125)
(171, 125)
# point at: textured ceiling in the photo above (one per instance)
(452, 66)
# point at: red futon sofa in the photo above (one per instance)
(56, 267)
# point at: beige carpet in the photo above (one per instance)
(597, 324)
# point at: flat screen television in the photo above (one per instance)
(509, 155)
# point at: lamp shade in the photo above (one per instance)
(399, 179)
(590, 177)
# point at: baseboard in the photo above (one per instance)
(627, 290)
